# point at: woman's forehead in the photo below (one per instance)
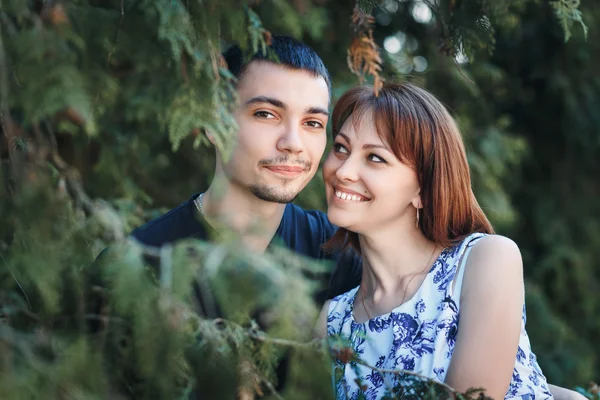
(362, 125)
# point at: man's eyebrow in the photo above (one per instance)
(280, 104)
(266, 99)
(366, 146)
(318, 110)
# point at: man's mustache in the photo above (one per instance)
(285, 161)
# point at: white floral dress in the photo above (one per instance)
(418, 336)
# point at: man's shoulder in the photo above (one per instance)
(314, 220)
(177, 223)
(318, 229)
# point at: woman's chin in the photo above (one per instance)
(340, 218)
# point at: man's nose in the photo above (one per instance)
(291, 140)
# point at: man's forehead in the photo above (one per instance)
(290, 86)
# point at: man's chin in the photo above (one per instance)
(272, 194)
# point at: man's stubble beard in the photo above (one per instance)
(271, 194)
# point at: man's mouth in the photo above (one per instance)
(287, 170)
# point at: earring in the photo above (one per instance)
(417, 225)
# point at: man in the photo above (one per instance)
(282, 116)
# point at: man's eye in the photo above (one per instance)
(314, 124)
(264, 114)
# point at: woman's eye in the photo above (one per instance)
(338, 148)
(263, 114)
(376, 159)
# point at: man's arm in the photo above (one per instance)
(347, 270)
(320, 330)
(560, 393)
(346, 274)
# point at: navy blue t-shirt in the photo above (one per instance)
(300, 230)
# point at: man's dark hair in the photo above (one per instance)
(290, 53)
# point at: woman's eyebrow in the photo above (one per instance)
(365, 146)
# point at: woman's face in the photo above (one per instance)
(367, 187)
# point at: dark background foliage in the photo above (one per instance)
(103, 105)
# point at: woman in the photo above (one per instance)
(398, 185)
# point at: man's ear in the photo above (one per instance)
(211, 137)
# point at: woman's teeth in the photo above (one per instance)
(348, 196)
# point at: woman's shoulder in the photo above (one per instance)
(496, 246)
(494, 263)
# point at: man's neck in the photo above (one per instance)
(255, 220)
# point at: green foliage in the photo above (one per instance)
(141, 320)
(61, 86)
(366, 6)
(111, 100)
(567, 12)
(470, 27)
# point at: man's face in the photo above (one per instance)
(282, 117)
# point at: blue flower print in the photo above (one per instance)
(515, 384)
(439, 373)
(405, 362)
(444, 274)
(379, 324)
(534, 378)
(405, 329)
(418, 338)
(375, 378)
(521, 357)
(424, 339)
(420, 306)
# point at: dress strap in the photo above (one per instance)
(456, 284)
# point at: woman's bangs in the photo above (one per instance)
(395, 128)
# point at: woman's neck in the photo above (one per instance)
(390, 257)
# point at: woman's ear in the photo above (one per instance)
(416, 201)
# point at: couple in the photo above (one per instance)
(398, 186)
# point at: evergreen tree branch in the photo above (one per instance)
(363, 55)
(462, 72)
(271, 388)
(73, 181)
(262, 337)
(567, 12)
(8, 127)
(254, 333)
(452, 391)
(18, 283)
(110, 53)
